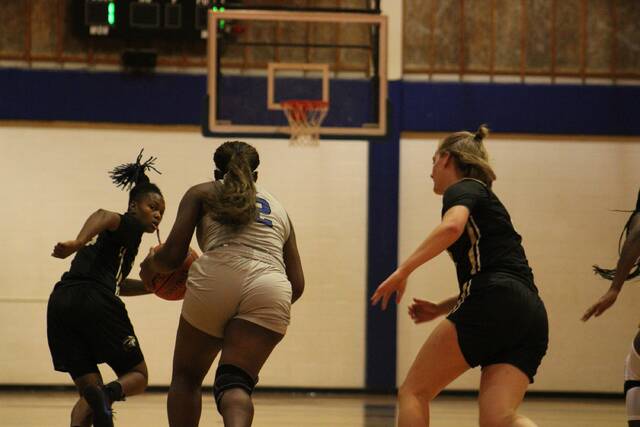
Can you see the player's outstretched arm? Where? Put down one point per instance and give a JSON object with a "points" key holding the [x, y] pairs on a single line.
{"points": [[443, 236], [628, 257], [97, 222]]}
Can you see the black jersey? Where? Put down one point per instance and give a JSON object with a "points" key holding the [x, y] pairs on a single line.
{"points": [[108, 258], [489, 242]]}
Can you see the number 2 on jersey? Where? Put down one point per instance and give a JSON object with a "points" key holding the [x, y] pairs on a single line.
{"points": [[263, 209]]}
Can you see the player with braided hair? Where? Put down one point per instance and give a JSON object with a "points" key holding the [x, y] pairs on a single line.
{"points": [[87, 322], [497, 321], [628, 261]]}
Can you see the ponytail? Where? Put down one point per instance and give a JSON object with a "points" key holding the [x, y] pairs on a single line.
{"points": [[481, 134], [470, 154], [130, 175], [234, 201], [609, 274]]}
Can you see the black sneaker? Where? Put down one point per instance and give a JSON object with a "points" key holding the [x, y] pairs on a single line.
{"points": [[99, 402]]}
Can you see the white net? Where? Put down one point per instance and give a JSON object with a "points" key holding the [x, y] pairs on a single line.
{"points": [[305, 118]]}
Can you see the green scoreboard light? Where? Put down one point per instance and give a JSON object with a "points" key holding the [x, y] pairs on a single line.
{"points": [[100, 16], [220, 9], [111, 13], [146, 19]]}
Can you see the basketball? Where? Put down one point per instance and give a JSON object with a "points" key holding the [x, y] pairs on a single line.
{"points": [[172, 286]]}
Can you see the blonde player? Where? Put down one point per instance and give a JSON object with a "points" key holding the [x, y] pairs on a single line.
{"points": [[498, 321]]}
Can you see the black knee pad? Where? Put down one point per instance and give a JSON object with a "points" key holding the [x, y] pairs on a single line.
{"points": [[632, 401], [629, 384], [228, 377]]}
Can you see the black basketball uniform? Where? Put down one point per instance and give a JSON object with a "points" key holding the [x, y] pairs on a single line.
{"points": [[87, 323], [499, 316]]}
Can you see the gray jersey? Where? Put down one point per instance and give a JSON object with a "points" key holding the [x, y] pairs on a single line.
{"points": [[262, 239]]}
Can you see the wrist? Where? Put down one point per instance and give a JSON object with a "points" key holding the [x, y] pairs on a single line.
{"points": [[403, 272], [444, 306]]}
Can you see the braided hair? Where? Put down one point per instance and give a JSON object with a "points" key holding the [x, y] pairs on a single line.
{"points": [[234, 203], [470, 154], [132, 177], [608, 273]]}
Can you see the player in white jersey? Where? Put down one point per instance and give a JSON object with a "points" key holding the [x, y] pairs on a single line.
{"points": [[239, 291]]}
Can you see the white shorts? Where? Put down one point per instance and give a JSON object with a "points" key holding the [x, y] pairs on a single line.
{"points": [[224, 286], [632, 391], [632, 365]]}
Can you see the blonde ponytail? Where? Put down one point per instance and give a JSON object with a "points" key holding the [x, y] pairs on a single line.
{"points": [[470, 154]]}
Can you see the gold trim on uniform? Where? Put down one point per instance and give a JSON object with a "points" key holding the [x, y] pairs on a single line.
{"points": [[474, 251], [123, 251], [464, 293]]}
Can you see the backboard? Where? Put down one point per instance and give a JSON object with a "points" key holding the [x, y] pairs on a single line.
{"points": [[260, 58]]}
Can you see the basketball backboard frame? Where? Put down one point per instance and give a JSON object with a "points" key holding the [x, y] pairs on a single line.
{"points": [[216, 126], [371, 6]]}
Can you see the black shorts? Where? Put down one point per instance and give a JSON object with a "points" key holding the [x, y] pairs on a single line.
{"points": [[501, 320], [87, 325]]}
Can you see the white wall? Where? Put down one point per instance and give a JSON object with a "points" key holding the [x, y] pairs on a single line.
{"points": [[559, 194], [53, 178], [393, 9]]}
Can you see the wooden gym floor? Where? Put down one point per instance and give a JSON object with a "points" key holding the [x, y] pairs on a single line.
{"points": [[44, 409]]}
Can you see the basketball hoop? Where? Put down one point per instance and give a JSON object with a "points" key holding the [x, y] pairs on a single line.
{"points": [[305, 117]]}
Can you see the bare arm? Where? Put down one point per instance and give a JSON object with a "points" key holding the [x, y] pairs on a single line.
{"points": [[97, 222], [171, 255], [293, 266], [448, 304], [445, 234], [628, 257], [132, 288], [423, 311]]}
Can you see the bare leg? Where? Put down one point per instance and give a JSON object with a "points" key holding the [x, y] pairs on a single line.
{"points": [[247, 346], [502, 388], [236, 407], [89, 387], [81, 414], [439, 362], [134, 381], [194, 353]]}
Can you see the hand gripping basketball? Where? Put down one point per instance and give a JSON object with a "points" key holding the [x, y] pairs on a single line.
{"points": [[172, 286]]}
